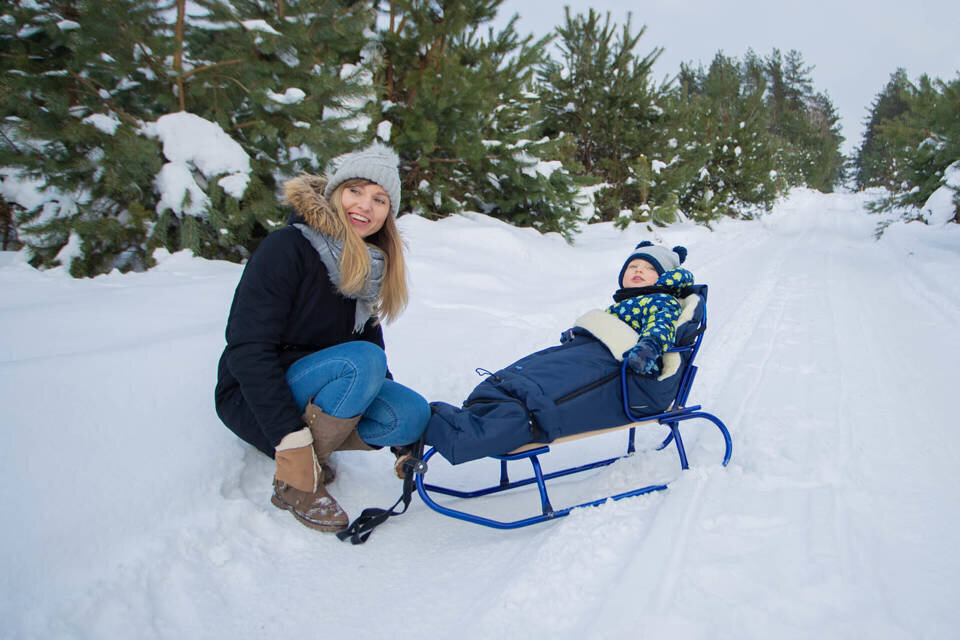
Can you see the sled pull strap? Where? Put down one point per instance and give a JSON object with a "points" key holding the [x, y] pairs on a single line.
{"points": [[360, 529]]}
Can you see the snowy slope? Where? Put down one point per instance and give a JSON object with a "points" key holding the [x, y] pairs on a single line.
{"points": [[130, 511]]}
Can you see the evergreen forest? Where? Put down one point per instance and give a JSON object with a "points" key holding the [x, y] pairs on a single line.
{"points": [[549, 133]]}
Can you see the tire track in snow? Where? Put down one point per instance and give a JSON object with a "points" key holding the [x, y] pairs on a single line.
{"points": [[566, 573], [870, 412], [668, 577], [734, 327], [934, 300], [645, 584], [838, 509], [732, 324]]}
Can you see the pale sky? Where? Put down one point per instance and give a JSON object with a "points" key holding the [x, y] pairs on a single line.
{"points": [[853, 46]]}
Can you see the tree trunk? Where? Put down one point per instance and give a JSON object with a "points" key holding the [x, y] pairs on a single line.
{"points": [[178, 56]]}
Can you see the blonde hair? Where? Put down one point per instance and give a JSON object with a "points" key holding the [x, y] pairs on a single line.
{"points": [[355, 262]]}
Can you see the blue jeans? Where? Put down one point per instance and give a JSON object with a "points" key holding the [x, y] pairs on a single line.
{"points": [[349, 379]]}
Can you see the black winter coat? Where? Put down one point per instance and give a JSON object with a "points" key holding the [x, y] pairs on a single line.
{"points": [[284, 308]]}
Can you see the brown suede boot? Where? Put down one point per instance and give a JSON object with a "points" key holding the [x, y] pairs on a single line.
{"points": [[402, 454], [328, 433], [298, 485], [355, 443]]}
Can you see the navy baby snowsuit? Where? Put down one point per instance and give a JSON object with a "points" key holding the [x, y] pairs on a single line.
{"points": [[562, 390]]}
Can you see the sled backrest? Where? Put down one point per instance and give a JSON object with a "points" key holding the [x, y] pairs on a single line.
{"points": [[689, 337], [687, 326], [690, 328]]}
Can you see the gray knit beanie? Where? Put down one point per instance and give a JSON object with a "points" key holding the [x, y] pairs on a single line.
{"points": [[661, 258], [377, 163]]}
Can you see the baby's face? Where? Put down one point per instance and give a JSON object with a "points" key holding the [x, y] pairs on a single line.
{"points": [[639, 273]]}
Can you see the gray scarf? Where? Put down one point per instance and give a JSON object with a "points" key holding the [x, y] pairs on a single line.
{"points": [[330, 250]]}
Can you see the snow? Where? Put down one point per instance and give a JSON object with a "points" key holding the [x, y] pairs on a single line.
{"points": [[292, 95], [235, 184], [384, 129], [830, 355], [259, 25], [106, 123], [33, 193], [28, 31], [939, 207], [179, 192], [189, 140], [534, 167], [27, 191], [72, 249]]}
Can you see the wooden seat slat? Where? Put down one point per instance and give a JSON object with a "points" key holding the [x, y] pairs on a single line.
{"points": [[578, 436]]}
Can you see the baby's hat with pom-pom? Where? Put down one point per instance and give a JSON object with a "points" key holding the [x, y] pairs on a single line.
{"points": [[662, 258]]}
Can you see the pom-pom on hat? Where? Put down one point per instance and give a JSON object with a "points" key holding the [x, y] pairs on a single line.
{"points": [[377, 163], [661, 258]]}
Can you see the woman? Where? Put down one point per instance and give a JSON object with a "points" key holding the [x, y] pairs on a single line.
{"points": [[304, 372]]}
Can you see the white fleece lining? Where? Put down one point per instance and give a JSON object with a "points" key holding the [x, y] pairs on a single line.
{"points": [[614, 333], [671, 361], [619, 337], [300, 439], [689, 306], [295, 440]]}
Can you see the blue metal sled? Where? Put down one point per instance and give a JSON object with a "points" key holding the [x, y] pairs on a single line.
{"points": [[671, 418]]}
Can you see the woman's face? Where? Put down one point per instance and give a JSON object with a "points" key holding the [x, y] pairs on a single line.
{"points": [[367, 207]]}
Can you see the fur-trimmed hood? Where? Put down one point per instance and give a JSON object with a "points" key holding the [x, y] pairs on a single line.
{"points": [[305, 194]]}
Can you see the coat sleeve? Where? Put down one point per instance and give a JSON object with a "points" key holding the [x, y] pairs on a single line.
{"points": [[255, 330], [661, 311], [659, 315]]}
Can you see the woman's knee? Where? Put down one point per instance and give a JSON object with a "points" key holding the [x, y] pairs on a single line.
{"points": [[342, 379], [398, 416], [366, 365], [368, 357]]}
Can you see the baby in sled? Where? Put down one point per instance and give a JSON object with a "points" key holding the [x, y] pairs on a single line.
{"points": [[576, 386]]}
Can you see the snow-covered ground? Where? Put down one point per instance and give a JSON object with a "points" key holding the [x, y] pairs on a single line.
{"points": [[130, 511]]}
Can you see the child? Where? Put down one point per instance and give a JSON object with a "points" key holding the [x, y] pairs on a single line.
{"points": [[576, 386], [646, 302]]}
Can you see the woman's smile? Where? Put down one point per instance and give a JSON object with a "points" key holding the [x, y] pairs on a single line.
{"points": [[367, 207]]}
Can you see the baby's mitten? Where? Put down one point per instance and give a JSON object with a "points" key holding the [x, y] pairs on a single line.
{"points": [[644, 358]]}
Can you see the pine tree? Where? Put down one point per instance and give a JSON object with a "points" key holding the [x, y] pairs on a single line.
{"points": [[456, 106], [805, 122], [8, 230], [924, 141], [282, 79], [824, 167], [726, 159], [600, 96], [88, 82], [873, 162], [70, 113]]}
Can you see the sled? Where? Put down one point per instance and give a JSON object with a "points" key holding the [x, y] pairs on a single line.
{"points": [[671, 418]]}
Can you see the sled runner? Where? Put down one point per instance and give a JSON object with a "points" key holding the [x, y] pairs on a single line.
{"points": [[682, 355]]}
